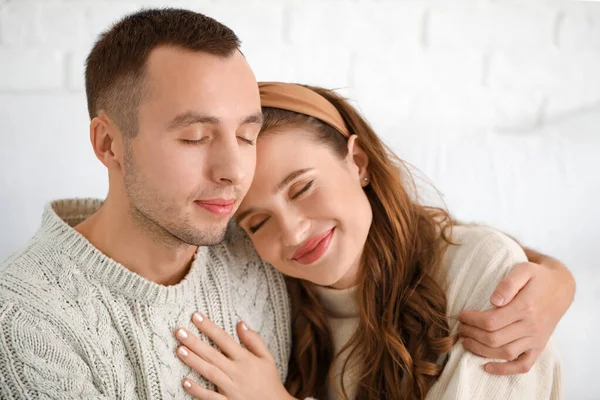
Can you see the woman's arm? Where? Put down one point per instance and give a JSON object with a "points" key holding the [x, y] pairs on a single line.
{"points": [[475, 267]]}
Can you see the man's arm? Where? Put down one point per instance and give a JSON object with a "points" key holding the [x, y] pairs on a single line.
{"points": [[37, 362], [556, 266], [538, 293]]}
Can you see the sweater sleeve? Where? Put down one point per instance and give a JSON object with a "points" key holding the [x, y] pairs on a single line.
{"points": [[481, 259], [37, 362]]}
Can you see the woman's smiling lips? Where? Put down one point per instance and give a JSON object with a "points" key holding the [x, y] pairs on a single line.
{"points": [[314, 248]]}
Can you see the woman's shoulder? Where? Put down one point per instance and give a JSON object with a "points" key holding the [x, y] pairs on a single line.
{"points": [[478, 258], [479, 241]]}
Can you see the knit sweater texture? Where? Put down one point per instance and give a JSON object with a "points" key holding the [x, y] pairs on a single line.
{"points": [[76, 324], [471, 270]]}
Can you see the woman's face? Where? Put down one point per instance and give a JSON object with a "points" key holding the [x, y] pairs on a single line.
{"points": [[306, 211]]}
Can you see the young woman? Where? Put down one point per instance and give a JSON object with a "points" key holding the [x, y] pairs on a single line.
{"points": [[376, 279]]}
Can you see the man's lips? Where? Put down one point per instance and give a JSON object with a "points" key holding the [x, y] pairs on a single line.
{"points": [[217, 206], [313, 248]]}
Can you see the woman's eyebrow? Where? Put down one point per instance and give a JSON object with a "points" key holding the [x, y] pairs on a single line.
{"points": [[286, 181]]}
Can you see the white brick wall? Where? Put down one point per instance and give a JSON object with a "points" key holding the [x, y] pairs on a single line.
{"points": [[491, 25], [496, 101], [45, 70], [428, 51]]}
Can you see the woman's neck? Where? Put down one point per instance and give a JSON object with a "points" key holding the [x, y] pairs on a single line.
{"points": [[350, 278], [339, 303]]}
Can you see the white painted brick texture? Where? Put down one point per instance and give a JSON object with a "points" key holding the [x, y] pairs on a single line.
{"points": [[496, 101], [460, 64]]}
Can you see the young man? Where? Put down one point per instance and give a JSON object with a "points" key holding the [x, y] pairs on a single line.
{"points": [[90, 311]]}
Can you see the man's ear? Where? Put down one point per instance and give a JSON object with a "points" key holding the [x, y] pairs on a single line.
{"points": [[107, 140], [358, 159]]}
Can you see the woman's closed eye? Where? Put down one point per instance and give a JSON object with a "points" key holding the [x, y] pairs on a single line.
{"points": [[303, 190], [254, 228]]}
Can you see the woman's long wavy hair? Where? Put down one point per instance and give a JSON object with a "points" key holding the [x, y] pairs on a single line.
{"points": [[403, 335]]}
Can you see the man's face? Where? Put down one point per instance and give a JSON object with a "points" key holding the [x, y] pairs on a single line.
{"points": [[194, 156]]}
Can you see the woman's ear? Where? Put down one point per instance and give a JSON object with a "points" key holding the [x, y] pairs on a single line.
{"points": [[358, 159]]}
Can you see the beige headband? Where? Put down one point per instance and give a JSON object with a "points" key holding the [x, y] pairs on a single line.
{"points": [[302, 100]]}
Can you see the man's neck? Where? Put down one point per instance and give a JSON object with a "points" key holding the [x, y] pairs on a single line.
{"points": [[114, 232]]}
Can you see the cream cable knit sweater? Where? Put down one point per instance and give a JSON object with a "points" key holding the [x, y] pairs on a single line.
{"points": [[470, 272], [76, 324]]}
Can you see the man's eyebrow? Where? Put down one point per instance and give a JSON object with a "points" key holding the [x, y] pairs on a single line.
{"points": [[189, 118], [256, 118], [286, 181]]}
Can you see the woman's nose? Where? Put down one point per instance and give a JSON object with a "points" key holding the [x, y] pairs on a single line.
{"points": [[294, 230]]}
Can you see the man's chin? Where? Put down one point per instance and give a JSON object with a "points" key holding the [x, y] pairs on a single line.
{"points": [[208, 237], [211, 241]]}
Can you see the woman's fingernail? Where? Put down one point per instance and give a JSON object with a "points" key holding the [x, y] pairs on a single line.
{"points": [[497, 300], [187, 384], [198, 318], [183, 351], [244, 326], [182, 334]]}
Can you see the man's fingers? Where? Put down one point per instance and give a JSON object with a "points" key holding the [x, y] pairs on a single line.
{"points": [[495, 339], [492, 320], [507, 352], [203, 367], [512, 283], [253, 341], [222, 339], [199, 392], [521, 365]]}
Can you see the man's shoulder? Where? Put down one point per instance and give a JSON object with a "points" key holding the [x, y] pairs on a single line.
{"points": [[28, 288], [33, 272]]}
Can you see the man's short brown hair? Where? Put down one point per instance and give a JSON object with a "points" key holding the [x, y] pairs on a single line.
{"points": [[115, 67]]}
